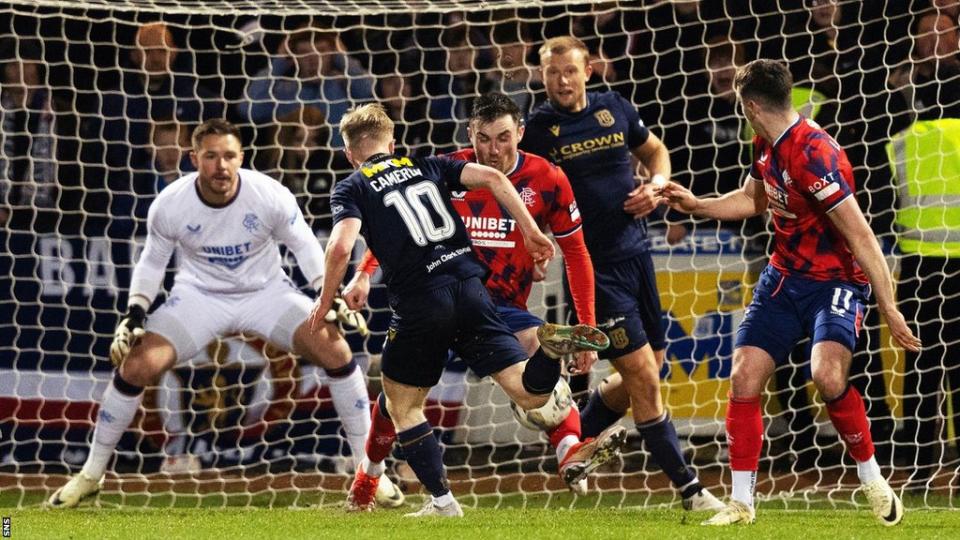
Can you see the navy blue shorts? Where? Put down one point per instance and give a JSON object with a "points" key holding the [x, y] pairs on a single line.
{"points": [[628, 305], [785, 309], [518, 319], [425, 326]]}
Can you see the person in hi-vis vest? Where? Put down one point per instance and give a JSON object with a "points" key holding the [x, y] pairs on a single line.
{"points": [[925, 159]]}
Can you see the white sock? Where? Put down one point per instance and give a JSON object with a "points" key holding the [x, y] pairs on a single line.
{"points": [[353, 407], [443, 500], [743, 484], [371, 468], [116, 412], [564, 446], [869, 470]]}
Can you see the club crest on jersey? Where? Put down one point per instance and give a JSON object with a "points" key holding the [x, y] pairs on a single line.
{"points": [[251, 222], [555, 129], [528, 196], [605, 118]]}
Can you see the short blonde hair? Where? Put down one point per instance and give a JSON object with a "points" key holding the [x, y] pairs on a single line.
{"points": [[367, 123], [560, 45], [155, 35]]}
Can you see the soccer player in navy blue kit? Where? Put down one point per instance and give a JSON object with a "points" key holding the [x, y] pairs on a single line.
{"points": [[435, 284], [592, 137], [816, 284]]}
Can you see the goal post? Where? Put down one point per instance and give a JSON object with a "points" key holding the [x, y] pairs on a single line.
{"points": [[98, 100]]}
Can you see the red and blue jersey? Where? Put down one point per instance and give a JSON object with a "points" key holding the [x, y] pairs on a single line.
{"points": [[497, 241], [806, 175]]}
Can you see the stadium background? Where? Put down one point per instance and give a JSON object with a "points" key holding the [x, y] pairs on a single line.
{"points": [[72, 223]]}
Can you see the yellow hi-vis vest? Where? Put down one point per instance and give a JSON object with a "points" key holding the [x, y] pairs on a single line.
{"points": [[925, 159]]}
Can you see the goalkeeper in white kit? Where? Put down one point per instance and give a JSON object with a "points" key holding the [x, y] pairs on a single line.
{"points": [[226, 223]]}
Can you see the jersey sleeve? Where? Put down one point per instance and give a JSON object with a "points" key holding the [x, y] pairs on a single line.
{"points": [[446, 170], [292, 230], [564, 217], [637, 132], [150, 268], [534, 141], [345, 201], [819, 175]]}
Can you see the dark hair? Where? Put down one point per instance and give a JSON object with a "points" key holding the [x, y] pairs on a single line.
{"points": [[493, 105], [214, 126], [765, 80]]}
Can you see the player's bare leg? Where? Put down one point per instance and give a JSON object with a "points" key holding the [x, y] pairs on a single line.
{"points": [[421, 449], [830, 367], [148, 359], [752, 368], [348, 388]]}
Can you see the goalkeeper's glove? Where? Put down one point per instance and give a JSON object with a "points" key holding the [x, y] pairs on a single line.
{"points": [[127, 333], [347, 318]]}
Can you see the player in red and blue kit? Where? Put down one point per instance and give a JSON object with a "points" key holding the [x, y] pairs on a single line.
{"points": [[495, 132], [816, 284], [594, 137], [402, 207]]}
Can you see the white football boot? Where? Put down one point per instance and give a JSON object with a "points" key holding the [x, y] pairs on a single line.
{"points": [[734, 513], [389, 494], [884, 502], [701, 501], [74, 491], [429, 509], [584, 457]]}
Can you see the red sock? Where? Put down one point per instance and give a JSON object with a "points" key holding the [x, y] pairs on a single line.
{"points": [[850, 419], [382, 436], [744, 433], [569, 426]]}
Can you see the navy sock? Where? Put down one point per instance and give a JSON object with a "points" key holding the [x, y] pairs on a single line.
{"points": [[424, 456], [541, 373], [597, 416], [661, 440]]}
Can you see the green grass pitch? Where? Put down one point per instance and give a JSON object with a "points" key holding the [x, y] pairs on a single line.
{"points": [[585, 518]]}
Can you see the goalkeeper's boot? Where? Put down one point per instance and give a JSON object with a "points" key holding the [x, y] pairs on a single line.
{"points": [[584, 457], [734, 513], [429, 509], [74, 491], [884, 502], [702, 501], [363, 492], [388, 493], [558, 339]]}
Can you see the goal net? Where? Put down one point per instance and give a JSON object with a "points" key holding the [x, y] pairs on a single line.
{"points": [[98, 98]]}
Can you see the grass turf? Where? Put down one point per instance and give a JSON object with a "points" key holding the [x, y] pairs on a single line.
{"points": [[587, 517]]}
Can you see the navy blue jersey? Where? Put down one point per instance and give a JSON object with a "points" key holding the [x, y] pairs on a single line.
{"points": [[593, 148], [408, 220]]}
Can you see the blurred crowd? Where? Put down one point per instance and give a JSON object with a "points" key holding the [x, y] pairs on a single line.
{"points": [[96, 106]]}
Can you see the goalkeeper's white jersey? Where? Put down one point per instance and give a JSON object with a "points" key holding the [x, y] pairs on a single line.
{"points": [[228, 249]]}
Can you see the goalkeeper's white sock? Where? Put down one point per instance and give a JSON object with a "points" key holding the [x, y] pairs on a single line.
{"points": [[349, 392], [869, 470], [116, 412], [371, 468], [743, 485]]}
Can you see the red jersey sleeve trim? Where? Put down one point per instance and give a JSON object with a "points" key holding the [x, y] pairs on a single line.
{"points": [[836, 204], [579, 275], [565, 234], [368, 263]]}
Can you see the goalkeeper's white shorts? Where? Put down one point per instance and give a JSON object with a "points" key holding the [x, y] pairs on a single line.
{"points": [[192, 318]]}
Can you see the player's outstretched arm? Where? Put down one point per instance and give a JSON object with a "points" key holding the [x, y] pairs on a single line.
{"points": [[849, 220], [475, 176], [339, 247], [144, 285], [748, 201]]}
